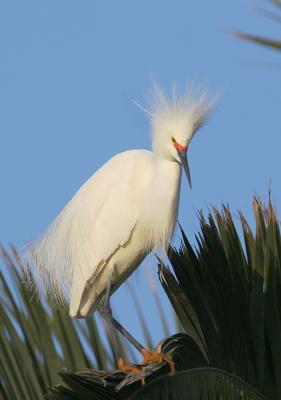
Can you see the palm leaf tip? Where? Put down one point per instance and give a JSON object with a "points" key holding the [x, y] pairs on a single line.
{"points": [[267, 42], [272, 43]]}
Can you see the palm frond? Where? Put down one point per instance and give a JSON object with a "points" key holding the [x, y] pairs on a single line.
{"points": [[37, 341], [227, 294], [267, 42], [272, 43], [195, 383]]}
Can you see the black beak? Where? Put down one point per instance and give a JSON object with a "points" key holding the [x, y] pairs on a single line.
{"points": [[183, 157]]}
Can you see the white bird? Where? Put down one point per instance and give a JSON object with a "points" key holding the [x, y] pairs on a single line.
{"points": [[124, 210]]}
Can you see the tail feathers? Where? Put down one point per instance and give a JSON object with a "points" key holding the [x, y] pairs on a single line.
{"points": [[47, 260]]}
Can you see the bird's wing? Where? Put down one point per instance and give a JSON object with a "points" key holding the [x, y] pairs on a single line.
{"points": [[93, 225], [112, 211]]}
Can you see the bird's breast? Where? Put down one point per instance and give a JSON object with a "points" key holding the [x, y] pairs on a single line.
{"points": [[160, 203]]}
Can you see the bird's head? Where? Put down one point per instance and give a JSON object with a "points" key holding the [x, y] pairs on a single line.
{"points": [[175, 121]]}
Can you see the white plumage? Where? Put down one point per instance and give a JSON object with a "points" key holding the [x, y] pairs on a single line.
{"points": [[129, 206]]}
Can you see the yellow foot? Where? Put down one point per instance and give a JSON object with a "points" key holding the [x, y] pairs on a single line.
{"points": [[136, 368], [150, 356]]}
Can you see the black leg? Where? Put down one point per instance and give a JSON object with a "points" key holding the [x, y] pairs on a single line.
{"points": [[133, 372], [110, 332], [106, 313], [127, 335]]}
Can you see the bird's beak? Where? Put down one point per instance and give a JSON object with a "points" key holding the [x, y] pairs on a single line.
{"points": [[183, 157]]}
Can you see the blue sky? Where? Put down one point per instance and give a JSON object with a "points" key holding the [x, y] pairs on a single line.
{"points": [[68, 72]]}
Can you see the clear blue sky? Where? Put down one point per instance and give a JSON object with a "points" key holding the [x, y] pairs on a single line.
{"points": [[68, 72]]}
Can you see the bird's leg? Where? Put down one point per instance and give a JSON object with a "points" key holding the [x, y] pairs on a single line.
{"points": [[106, 313], [127, 335], [148, 356]]}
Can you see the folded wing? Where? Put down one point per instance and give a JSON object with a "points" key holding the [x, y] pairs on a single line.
{"points": [[97, 220]]}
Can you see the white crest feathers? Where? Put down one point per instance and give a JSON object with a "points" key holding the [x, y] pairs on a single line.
{"points": [[183, 114]]}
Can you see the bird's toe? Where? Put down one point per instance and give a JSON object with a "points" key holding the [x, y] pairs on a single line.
{"points": [[158, 357], [135, 369]]}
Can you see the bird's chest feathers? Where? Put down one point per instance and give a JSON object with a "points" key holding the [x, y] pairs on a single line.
{"points": [[160, 203]]}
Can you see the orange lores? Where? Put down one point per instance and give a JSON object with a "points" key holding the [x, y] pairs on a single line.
{"points": [[179, 146]]}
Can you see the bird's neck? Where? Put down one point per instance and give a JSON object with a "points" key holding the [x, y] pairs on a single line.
{"points": [[168, 172], [161, 152], [162, 201]]}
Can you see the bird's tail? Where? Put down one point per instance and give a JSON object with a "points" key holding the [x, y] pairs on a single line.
{"points": [[46, 259]]}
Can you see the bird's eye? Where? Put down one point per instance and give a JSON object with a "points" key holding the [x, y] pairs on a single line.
{"points": [[173, 139]]}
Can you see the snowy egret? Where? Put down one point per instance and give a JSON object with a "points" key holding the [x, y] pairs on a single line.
{"points": [[128, 207]]}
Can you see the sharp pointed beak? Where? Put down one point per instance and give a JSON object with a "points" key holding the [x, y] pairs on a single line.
{"points": [[183, 158]]}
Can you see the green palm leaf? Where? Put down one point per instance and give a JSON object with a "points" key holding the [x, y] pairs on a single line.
{"points": [[275, 44], [194, 383], [37, 341], [232, 295], [272, 43]]}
